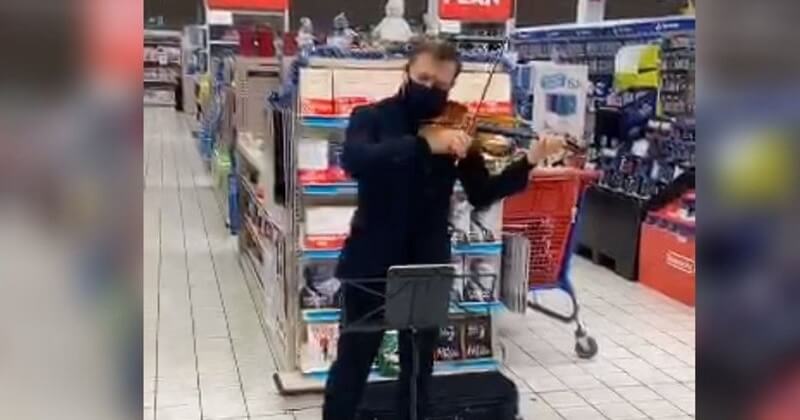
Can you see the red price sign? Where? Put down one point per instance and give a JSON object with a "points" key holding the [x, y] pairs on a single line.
{"points": [[476, 10], [250, 5]]}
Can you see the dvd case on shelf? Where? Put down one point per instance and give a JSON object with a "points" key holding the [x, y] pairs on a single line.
{"points": [[478, 338], [483, 272], [320, 346], [450, 344], [321, 289]]}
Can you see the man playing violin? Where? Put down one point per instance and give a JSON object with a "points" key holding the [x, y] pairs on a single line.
{"points": [[406, 172]]}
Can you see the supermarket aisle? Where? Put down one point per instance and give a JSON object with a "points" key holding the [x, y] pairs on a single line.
{"points": [[205, 353], [207, 358]]}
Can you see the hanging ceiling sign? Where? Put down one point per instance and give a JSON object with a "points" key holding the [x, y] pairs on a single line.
{"points": [[250, 5], [220, 17], [476, 10]]}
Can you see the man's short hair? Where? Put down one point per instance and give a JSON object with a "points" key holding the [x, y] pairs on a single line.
{"points": [[438, 49]]}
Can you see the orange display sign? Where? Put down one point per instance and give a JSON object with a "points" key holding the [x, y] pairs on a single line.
{"points": [[250, 5], [667, 263], [476, 10]]}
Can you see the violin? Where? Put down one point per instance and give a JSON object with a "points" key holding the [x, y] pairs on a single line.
{"points": [[495, 137]]}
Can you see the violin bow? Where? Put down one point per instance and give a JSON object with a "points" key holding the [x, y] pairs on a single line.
{"points": [[473, 121]]}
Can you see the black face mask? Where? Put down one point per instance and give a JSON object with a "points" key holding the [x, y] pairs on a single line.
{"points": [[423, 102]]}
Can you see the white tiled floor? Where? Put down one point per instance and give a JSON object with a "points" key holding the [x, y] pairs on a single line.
{"points": [[207, 358]]}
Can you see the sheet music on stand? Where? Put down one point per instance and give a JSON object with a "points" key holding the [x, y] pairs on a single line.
{"points": [[516, 264]]}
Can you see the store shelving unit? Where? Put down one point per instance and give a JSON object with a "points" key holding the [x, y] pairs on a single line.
{"points": [[614, 208], [279, 252], [677, 91], [195, 63], [594, 44], [162, 66]]}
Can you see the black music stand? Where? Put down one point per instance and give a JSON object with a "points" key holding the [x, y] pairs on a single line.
{"points": [[416, 297]]}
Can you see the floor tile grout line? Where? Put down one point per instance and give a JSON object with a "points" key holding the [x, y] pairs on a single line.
{"points": [[188, 283], [158, 280], [191, 155]]}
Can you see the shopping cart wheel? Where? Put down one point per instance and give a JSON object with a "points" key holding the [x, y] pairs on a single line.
{"points": [[587, 350], [585, 346]]}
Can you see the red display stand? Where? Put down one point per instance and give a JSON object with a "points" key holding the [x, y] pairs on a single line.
{"points": [[667, 253]]}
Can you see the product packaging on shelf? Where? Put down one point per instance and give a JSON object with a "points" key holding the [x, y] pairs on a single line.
{"points": [[316, 92], [486, 225], [321, 289], [460, 210], [388, 359], [471, 225], [327, 227], [320, 347], [484, 274], [450, 346], [559, 95], [319, 162], [357, 87], [470, 86], [457, 293], [478, 338], [312, 155]]}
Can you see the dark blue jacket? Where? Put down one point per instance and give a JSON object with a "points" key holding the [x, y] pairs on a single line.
{"points": [[404, 192]]}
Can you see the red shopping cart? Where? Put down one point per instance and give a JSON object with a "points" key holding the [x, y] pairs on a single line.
{"points": [[546, 214]]}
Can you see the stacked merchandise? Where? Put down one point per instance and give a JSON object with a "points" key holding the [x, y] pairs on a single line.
{"points": [[668, 249], [216, 106], [651, 163], [162, 67], [465, 343], [639, 120], [593, 45], [644, 165], [327, 91], [196, 63], [677, 73]]}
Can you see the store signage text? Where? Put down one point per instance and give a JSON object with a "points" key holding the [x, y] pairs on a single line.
{"points": [[476, 10], [559, 81], [680, 262]]}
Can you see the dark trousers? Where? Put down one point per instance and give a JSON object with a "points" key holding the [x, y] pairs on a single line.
{"points": [[356, 353]]}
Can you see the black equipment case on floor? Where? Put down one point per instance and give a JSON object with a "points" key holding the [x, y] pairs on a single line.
{"points": [[471, 396]]}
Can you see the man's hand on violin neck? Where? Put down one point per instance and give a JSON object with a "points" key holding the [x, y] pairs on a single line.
{"points": [[446, 141], [547, 146]]}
